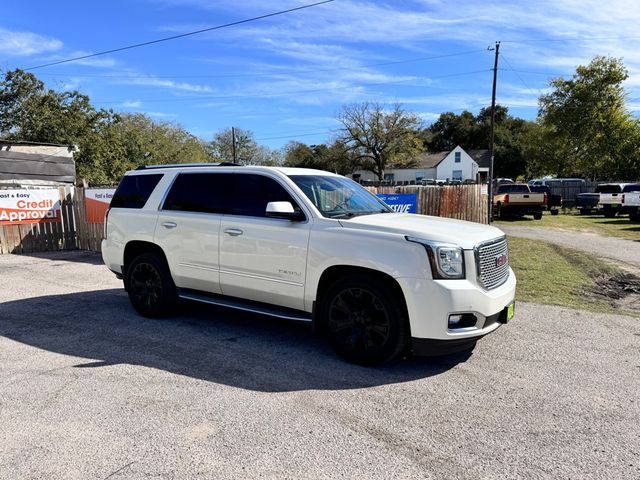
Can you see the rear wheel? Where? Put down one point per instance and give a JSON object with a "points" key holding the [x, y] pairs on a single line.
{"points": [[150, 286], [609, 213], [366, 323], [537, 216], [584, 211]]}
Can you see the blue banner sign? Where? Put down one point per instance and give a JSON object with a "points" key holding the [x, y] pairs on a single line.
{"points": [[400, 202]]}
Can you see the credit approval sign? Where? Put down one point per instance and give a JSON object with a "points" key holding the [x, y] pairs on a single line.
{"points": [[29, 206], [96, 201]]}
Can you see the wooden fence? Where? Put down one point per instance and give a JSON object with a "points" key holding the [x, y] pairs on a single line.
{"points": [[464, 202]]}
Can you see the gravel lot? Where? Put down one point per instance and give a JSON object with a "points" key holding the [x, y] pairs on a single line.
{"points": [[620, 250], [89, 390]]}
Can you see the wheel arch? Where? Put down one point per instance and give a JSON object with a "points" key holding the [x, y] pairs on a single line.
{"points": [[331, 274], [134, 248]]}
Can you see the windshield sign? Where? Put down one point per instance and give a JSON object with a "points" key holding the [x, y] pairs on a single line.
{"points": [[339, 197]]}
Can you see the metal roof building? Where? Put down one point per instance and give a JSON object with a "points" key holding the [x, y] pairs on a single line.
{"points": [[34, 165]]}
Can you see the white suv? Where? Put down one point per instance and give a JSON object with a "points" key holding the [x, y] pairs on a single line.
{"points": [[308, 245]]}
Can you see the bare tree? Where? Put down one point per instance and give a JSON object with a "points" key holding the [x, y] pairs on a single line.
{"points": [[380, 138]]}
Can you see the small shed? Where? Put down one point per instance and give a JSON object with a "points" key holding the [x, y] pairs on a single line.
{"points": [[36, 165]]}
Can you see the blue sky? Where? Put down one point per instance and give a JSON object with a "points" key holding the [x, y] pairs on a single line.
{"points": [[286, 78]]}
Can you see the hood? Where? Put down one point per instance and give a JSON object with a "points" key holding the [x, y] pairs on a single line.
{"points": [[438, 229]]}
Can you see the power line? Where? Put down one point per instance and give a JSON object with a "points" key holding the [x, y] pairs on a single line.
{"points": [[517, 74], [239, 75], [182, 35], [278, 94], [569, 39]]}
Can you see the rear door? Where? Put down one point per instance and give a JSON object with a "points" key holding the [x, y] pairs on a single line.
{"points": [[262, 259], [188, 228]]}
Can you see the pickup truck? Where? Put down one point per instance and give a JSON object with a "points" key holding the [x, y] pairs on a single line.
{"points": [[631, 205], [610, 201], [554, 202], [518, 200], [587, 203]]}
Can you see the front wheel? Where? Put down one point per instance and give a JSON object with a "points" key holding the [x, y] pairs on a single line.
{"points": [[367, 324], [150, 286], [555, 212]]}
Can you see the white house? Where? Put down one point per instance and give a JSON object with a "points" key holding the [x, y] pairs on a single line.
{"points": [[456, 164]]}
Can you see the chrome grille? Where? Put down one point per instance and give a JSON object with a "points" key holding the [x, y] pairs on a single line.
{"points": [[491, 273]]}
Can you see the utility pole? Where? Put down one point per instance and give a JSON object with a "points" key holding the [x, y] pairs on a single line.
{"points": [[233, 144], [493, 121]]}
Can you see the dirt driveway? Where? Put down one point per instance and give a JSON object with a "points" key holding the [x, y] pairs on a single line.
{"points": [[89, 390], [625, 252]]}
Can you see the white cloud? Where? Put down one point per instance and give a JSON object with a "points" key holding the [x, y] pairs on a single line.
{"points": [[22, 44], [151, 81], [132, 104]]}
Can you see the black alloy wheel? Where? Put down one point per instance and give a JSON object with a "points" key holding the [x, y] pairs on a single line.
{"points": [[366, 322], [150, 286]]}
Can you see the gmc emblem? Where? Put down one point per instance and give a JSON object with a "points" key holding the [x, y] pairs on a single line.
{"points": [[501, 260]]}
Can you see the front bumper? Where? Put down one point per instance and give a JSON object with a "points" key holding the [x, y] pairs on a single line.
{"points": [[431, 302]]}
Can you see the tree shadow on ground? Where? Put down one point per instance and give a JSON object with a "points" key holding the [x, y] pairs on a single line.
{"points": [[209, 343]]}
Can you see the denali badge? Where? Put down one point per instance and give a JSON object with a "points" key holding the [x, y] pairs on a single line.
{"points": [[501, 260]]}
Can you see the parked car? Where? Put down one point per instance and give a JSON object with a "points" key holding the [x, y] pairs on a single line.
{"points": [[587, 203], [631, 205], [312, 246], [554, 202], [516, 199], [610, 202]]}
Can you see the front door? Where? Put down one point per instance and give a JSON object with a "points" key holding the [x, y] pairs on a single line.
{"points": [[262, 259]]}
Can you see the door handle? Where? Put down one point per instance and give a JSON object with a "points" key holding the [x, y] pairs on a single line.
{"points": [[169, 224], [234, 232]]}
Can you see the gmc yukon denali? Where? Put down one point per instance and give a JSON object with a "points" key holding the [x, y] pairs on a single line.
{"points": [[312, 246]]}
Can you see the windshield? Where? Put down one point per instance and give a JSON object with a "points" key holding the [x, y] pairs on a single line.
{"points": [[339, 197]]}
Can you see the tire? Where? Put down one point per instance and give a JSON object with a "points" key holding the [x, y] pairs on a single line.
{"points": [[609, 213], [498, 212], [554, 212], [366, 323], [537, 216], [150, 286], [634, 216], [584, 211]]}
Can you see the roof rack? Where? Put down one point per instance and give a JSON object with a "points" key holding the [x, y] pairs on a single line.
{"points": [[184, 165]]}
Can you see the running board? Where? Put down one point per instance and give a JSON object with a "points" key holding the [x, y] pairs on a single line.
{"points": [[245, 305]]}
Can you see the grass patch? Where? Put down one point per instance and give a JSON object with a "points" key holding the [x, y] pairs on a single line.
{"points": [[556, 275], [620, 227]]}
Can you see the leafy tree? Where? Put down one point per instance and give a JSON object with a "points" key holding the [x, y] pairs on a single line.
{"points": [[379, 138], [472, 132], [586, 119], [108, 143], [333, 158]]}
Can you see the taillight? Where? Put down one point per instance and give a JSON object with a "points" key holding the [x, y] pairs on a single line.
{"points": [[506, 199], [106, 217], [623, 198], [545, 199]]}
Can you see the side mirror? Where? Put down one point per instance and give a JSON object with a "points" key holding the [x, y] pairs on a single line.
{"points": [[284, 210]]}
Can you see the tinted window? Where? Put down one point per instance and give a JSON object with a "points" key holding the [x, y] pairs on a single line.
{"points": [[513, 188], [253, 192], [134, 190], [608, 189], [199, 192], [635, 187]]}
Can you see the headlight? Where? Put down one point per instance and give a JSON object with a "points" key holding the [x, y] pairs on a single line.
{"points": [[447, 261]]}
